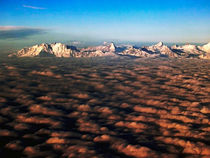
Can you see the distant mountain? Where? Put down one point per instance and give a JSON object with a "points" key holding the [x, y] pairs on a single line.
{"points": [[161, 49], [205, 48], [104, 48], [137, 52], [55, 49], [110, 49], [62, 50]]}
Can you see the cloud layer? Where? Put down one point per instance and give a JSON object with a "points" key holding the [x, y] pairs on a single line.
{"points": [[135, 108], [18, 32]]}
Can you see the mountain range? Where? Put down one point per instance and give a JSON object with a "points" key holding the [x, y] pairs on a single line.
{"points": [[110, 49]]}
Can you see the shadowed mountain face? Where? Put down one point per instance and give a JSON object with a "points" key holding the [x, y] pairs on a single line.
{"points": [[158, 50], [104, 107]]}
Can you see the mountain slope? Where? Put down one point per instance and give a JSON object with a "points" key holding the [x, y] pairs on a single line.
{"points": [[157, 50], [55, 49], [161, 49]]}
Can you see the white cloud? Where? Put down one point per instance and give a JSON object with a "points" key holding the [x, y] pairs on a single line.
{"points": [[33, 7]]}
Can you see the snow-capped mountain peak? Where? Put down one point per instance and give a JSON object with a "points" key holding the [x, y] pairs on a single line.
{"points": [[157, 50], [206, 47], [159, 44]]}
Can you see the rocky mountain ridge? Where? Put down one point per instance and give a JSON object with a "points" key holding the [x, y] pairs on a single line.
{"points": [[157, 50]]}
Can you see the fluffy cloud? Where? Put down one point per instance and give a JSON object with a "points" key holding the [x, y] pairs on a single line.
{"points": [[122, 108]]}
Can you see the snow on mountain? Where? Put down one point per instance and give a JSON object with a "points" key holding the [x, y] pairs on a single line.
{"points": [[109, 49], [205, 48], [160, 44], [104, 48], [62, 50], [192, 49], [55, 49], [112, 47], [189, 51], [131, 51], [161, 49]]}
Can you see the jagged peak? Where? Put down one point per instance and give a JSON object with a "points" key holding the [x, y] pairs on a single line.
{"points": [[159, 44], [208, 44], [63, 50], [112, 43], [108, 43], [112, 46], [206, 47]]}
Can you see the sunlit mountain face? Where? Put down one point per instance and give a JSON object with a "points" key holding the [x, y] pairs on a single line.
{"points": [[110, 49]]}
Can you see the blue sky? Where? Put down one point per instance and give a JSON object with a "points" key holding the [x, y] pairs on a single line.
{"points": [[129, 20]]}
